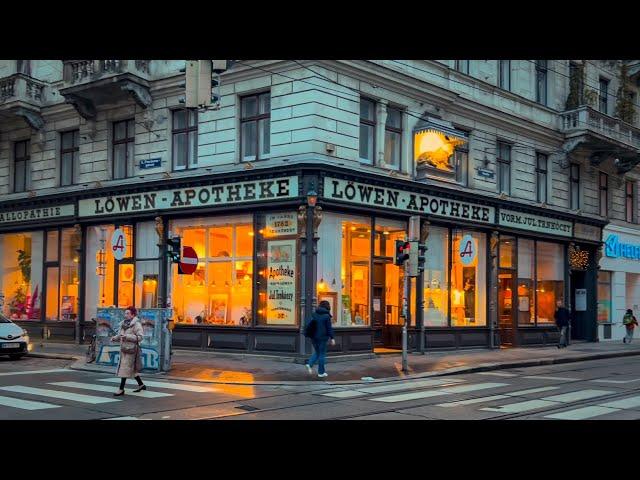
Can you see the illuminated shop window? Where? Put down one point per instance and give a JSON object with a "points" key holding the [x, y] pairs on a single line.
{"points": [[436, 278], [440, 152], [468, 279], [604, 296], [219, 292], [21, 259], [388, 279], [526, 282], [550, 279]]}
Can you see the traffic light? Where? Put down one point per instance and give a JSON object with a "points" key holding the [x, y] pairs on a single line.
{"points": [[402, 252], [416, 258], [175, 249]]}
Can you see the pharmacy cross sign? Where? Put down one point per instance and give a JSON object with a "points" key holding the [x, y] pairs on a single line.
{"points": [[188, 261]]}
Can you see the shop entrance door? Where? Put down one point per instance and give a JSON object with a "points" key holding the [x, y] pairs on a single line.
{"points": [[506, 312], [387, 295], [578, 305]]}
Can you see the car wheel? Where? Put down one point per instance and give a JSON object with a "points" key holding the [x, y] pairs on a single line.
{"points": [[16, 356]]}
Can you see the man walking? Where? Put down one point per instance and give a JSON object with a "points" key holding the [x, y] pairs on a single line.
{"points": [[320, 331], [562, 321]]}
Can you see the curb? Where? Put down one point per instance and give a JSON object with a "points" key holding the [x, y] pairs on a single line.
{"points": [[483, 367], [58, 356]]}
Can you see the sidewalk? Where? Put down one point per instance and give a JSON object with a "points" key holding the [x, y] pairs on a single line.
{"points": [[248, 369]]}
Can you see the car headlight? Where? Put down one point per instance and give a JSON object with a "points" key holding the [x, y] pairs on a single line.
{"points": [[25, 335]]}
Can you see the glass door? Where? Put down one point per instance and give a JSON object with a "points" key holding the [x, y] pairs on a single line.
{"points": [[506, 296]]}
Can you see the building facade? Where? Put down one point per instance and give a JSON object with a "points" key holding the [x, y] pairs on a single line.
{"points": [[293, 189]]}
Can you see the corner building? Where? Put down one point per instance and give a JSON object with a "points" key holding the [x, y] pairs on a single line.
{"points": [[294, 191]]}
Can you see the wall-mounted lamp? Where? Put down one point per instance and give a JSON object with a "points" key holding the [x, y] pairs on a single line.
{"points": [[312, 197]]}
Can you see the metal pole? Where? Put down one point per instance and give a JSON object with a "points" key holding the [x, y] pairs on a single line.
{"points": [[405, 316]]}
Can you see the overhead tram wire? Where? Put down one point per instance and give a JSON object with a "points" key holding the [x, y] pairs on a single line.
{"points": [[417, 115]]}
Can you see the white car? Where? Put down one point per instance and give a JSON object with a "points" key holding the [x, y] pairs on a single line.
{"points": [[14, 341]]}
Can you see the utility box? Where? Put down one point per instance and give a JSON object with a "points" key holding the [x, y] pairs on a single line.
{"points": [[156, 341]]}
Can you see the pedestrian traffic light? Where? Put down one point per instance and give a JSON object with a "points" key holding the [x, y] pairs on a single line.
{"points": [[416, 258], [174, 249], [422, 251], [402, 252]]}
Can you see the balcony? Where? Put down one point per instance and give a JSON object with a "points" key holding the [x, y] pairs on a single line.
{"points": [[22, 96], [90, 83], [602, 136]]}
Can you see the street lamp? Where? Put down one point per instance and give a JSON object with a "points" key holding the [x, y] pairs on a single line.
{"points": [[312, 197]]}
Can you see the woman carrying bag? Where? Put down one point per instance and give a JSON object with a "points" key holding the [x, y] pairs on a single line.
{"points": [[130, 364], [629, 322]]}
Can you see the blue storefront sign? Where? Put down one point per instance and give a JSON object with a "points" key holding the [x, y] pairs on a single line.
{"points": [[614, 248], [150, 163]]}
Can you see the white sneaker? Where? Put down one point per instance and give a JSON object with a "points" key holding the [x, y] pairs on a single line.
{"points": [[323, 375], [309, 369]]}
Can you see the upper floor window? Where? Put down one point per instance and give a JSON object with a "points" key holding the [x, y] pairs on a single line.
{"points": [[541, 177], [367, 129], [393, 138], [604, 95], [184, 139], [462, 66], [629, 201], [574, 186], [575, 78], [69, 152], [22, 165], [504, 168], [461, 162], [604, 194], [504, 74], [255, 126], [122, 148], [541, 81]]}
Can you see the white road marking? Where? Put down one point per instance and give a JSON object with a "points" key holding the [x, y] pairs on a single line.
{"points": [[499, 374], [434, 393], [43, 392], [582, 413], [520, 406], [25, 404], [473, 400], [170, 386], [631, 402], [344, 394], [542, 377], [578, 395], [30, 372], [409, 385], [615, 381], [107, 388], [531, 390], [122, 418]]}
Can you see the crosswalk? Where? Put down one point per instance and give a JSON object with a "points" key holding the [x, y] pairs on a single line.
{"points": [[514, 401], [74, 392]]}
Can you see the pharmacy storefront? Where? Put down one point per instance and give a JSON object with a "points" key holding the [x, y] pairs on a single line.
{"points": [[618, 280], [266, 246]]}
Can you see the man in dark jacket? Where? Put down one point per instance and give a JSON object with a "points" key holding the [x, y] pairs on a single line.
{"points": [[321, 333], [562, 321]]}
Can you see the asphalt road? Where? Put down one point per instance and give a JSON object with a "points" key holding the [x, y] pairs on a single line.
{"points": [[34, 388]]}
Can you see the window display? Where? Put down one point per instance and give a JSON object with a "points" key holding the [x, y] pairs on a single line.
{"points": [[526, 288], [220, 291], [436, 278], [604, 297], [468, 279], [550, 279], [388, 281], [21, 275]]}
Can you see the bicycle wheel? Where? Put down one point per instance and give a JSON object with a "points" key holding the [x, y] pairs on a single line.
{"points": [[91, 353]]}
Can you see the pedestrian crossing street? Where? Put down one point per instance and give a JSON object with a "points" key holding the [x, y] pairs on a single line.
{"points": [[85, 393], [516, 400]]}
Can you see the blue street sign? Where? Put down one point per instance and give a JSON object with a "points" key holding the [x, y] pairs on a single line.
{"points": [[150, 163]]}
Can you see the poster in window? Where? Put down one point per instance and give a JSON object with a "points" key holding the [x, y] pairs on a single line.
{"points": [[281, 224], [581, 299], [281, 282], [218, 308], [67, 306]]}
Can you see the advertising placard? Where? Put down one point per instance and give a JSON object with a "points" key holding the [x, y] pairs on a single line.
{"points": [[281, 282]]}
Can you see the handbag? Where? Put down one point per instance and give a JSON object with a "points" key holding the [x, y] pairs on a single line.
{"points": [[128, 347]]}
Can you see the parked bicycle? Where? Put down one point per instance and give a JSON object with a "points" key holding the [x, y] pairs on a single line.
{"points": [[90, 356]]}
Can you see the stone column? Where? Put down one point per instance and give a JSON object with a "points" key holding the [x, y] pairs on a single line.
{"points": [[381, 120]]}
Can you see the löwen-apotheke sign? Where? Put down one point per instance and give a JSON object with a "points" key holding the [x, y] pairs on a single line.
{"points": [[202, 196], [363, 194]]}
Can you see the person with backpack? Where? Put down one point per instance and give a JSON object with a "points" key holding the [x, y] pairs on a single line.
{"points": [[629, 322], [319, 330], [562, 322]]}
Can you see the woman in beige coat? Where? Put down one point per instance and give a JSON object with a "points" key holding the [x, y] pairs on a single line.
{"points": [[130, 364]]}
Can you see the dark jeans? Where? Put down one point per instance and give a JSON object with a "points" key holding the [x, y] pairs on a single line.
{"points": [[319, 354], [564, 336], [124, 380]]}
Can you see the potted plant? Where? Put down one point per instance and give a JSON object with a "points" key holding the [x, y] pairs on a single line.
{"points": [[24, 262]]}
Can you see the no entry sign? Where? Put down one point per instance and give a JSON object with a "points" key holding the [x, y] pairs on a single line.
{"points": [[188, 261]]}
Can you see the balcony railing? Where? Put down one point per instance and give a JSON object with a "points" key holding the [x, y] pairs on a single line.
{"points": [[587, 119], [21, 88], [82, 71]]}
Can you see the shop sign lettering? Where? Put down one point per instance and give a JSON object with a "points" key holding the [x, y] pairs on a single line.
{"points": [[281, 224], [281, 282], [614, 248], [205, 196], [535, 223], [468, 250], [33, 214], [363, 194]]}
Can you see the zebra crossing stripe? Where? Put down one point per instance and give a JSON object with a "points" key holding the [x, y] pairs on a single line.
{"points": [[107, 388], [498, 374], [542, 377], [582, 413], [631, 402], [31, 372], [603, 380], [410, 385], [472, 401], [520, 406], [434, 393], [170, 386], [43, 392], [25, 404], [577, 396]]}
